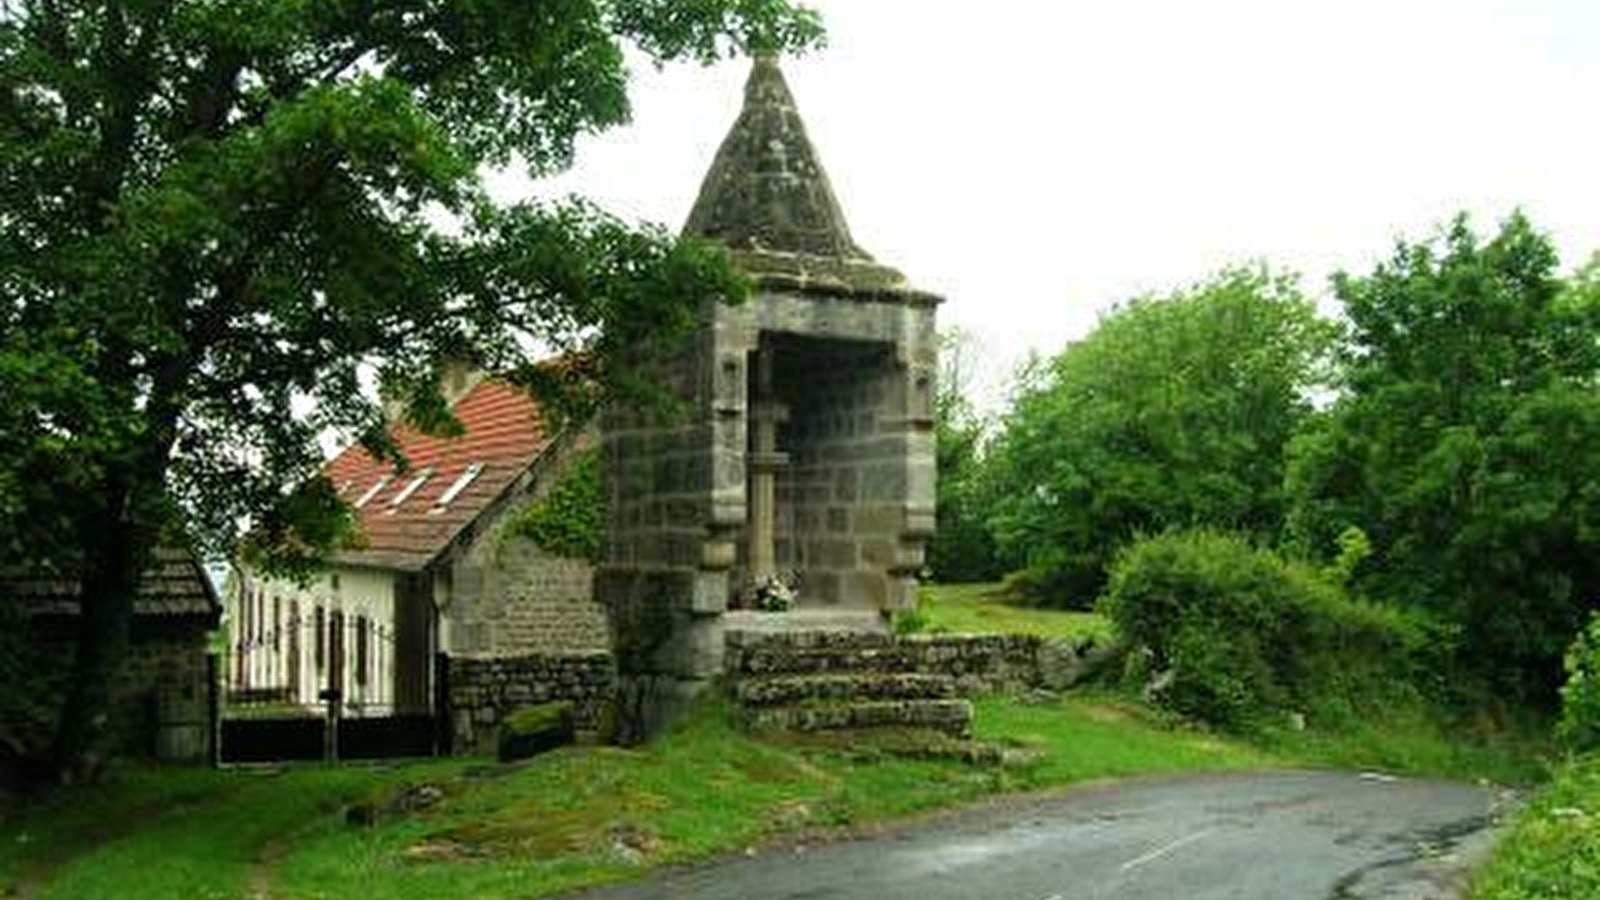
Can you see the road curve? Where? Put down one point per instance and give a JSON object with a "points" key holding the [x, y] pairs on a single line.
{"points": [[1277, 835]]}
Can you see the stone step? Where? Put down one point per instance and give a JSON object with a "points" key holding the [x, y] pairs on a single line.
{"points": [[744, 639], [788, 689], [841, 658], [953, 717], [829, 619]]}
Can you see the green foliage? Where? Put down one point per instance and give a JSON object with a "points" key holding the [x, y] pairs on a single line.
{"points": [[222, 218], [540, 717], [1173, 412], [1579, 727], [912, 621], [1241, 635], [570, 520], [1551, 851], [1466, 447], [1354, 548], [963, 548]]}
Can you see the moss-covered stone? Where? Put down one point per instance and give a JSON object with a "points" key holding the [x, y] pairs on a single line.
{"points": [[531, 730]]}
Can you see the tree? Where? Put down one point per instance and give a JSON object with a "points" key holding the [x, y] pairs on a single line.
{"points": [[1173, 412], [963, 548], [1466, 445], [221, 220]]}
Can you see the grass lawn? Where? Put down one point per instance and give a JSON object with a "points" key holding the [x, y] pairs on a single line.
{"points": [[575, 817], [977, 609]]}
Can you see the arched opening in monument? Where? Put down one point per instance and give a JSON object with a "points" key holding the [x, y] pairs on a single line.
{"points": [[827, 470]]}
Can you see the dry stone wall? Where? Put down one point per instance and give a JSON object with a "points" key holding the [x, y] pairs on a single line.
{"points": [[160, 699], [977, 664], [485, 691]]}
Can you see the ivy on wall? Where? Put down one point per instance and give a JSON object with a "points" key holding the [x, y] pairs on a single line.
{"points": [[570, 520]]}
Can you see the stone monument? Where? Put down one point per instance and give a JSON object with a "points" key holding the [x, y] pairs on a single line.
{"points": [[801, 449]]}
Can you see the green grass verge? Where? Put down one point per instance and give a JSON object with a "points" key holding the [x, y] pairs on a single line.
{"points": [[1553, 850], [1418, 742], [978, 609], [580, 816]]}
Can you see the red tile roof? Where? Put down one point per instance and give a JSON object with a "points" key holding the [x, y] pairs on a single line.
{"points": [[505, 433]]}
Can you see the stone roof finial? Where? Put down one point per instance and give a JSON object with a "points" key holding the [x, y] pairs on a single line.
{"points": [[766, 190]]}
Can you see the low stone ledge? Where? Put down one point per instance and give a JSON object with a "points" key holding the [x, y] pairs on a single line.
{"points": [[976, 663]]}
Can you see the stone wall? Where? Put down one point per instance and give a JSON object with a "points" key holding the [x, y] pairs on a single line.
{"points": [[842, 498], [508, 596], [485, 690], [988, 663], [976, 663], [160, 698]]}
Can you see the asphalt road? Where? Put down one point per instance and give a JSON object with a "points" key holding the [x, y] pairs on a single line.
{"points": [[1248, 836]]}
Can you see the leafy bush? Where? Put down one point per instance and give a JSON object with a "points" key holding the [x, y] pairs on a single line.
{"points": [[1056, 579], [1236, 633], [911, 621], [1579, 727], [1156, 419]]}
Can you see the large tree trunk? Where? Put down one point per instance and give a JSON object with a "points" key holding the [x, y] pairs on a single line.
{"points": [[116, 552]]}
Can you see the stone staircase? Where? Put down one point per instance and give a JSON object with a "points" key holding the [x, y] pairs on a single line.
{"points": [[820, 679]]}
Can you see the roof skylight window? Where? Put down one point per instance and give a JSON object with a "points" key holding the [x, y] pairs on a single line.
{"points": [[461, 483], [408, 490], [373, 491]]}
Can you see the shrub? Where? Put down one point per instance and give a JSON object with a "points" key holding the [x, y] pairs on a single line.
{"points": [[1236, 633], [1057, 579], [912, 621], [1579, 727]]}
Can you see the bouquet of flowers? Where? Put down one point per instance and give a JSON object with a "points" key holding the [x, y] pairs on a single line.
{"points": [[774, 594]]}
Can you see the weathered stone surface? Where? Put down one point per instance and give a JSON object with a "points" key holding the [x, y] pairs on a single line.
{"points": [[766, 190], [979, 663], [531, 730], [949, 716], [792, 412], [782, 689], [486, 691]]}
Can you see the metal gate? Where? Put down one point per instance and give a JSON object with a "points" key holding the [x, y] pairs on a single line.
{"points": [[261, 726]]}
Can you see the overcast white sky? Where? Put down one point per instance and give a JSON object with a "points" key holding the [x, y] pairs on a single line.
{"points": [[1037, 161]]}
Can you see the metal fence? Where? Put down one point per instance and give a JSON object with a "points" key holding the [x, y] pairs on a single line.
{"points": [[266, 724]]}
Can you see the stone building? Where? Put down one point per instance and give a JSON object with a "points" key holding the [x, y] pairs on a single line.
{"points": [[803, 447], [437, 569], [801, 450], [161, 697]]}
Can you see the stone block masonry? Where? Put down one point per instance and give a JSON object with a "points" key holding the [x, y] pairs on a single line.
{"points": [[800, 440], [507, 596], [485, 691], [160, 699], [824, 680], [975, 664]]}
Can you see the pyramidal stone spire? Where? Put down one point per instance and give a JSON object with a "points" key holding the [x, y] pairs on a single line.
{"points": [[766, 191]]}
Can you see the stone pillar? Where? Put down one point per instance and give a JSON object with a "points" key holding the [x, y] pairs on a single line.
{"points": [[765, 460]]}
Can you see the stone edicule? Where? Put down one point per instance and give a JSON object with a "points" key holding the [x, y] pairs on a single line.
{"points": [[802, 443]]}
